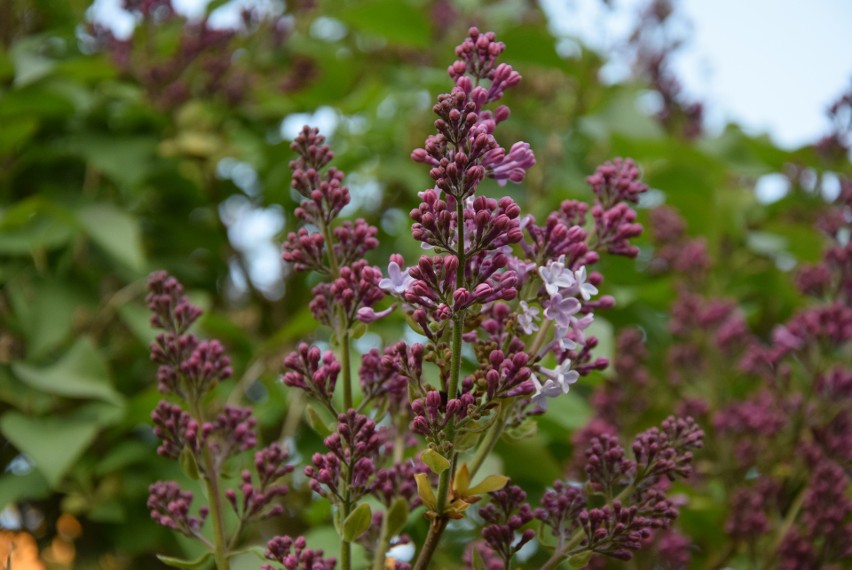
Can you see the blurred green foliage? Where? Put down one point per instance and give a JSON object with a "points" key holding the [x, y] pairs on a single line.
{"points": [[104, 179]]}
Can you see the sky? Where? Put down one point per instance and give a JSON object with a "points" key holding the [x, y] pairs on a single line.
{"points": [[771, 65]]}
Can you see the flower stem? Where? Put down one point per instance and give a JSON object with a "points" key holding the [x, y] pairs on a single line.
{"points": [[383, 545], [211, 482], [347, 373], [436, 529], [345, 545], [540, 338], [487, 443]]}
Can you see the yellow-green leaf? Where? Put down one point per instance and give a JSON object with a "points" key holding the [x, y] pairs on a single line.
{"points": [[424, 491], [435, 461], [357, 522], [489, 484]]}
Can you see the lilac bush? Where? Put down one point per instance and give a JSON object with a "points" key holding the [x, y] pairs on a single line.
{"points": [[502, 303]]}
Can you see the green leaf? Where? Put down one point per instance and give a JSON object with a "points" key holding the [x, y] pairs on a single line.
{"points": [[316, 422], [357, 522], [397, 516], [466, 440], [52, 443], [256, 550], [30, 65], [398, 21], [525, 430], [22, 396], [528, 44], [16, 131], [180, 563], [116, 232], [51, 317], [81, 373], [125, 159], [580, 560], [435, 461], [30, 486], [188, 464]]}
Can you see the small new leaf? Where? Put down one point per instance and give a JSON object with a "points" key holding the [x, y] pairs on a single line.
{"points": [[316, 422], [180, 563], [489, 484], [397, 516], [435, 461], [357, 522], [425, 492], [580, 560], [188, 464]]}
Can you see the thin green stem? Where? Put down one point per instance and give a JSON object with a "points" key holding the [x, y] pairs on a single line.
{"points": [[345, 545], [383, 545], [487, 443], [347, 372], [343, 334], [332, 259], [787, 524], [540, 338], [211, 482], [436, 529]]}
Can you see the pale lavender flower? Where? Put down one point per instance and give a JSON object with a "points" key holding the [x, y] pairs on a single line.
{"points": [[563, 375], [565, 339], [550, 388], [586, 289], [562, 309], [369, 315], [527, 318], [556, 277], [579, 325], [398, 280], [556, 382]]}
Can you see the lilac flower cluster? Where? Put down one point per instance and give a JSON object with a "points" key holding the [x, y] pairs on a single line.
{"points": [[506, 514], [522, 295], [169, 506], [635, 505], [352, 449], [294, 555], [204, 444]]}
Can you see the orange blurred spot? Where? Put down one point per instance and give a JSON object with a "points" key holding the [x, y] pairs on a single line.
{"points": [[60, 552], [69, 527], [20, 549]]}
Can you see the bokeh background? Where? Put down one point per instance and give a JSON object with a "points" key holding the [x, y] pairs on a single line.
{"points": [[152, 134]]}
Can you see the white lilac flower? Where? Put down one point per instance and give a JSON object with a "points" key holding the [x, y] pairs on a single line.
{"points": [[556, 277], [561, 310], [565, 341], [550, 388], [565, 376], [581, 324], [556, 382], [586, 289], [527, 318], [398, 280]]}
